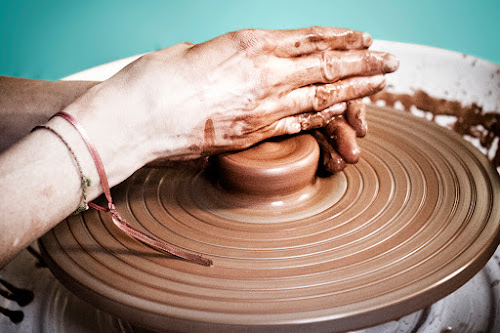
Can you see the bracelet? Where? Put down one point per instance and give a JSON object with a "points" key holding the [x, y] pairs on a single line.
{"points": [[85, 181], [115, 216]]}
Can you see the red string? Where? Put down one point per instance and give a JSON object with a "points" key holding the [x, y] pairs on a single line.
{"points": [[115, 216]]}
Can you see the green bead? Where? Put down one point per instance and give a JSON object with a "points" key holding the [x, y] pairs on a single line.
{"points": [[86, 182], [79, 210]]}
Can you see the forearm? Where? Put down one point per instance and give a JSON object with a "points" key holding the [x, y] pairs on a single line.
{"points": [[25, 103], [40, 186], [40, 183], [185, 101]]}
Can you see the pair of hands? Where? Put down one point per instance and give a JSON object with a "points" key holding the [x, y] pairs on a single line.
{"points": [[238, 89]]}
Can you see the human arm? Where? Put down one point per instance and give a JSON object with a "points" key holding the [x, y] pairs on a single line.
{"points": [[337, 139], [184, 102], [25, 103]]}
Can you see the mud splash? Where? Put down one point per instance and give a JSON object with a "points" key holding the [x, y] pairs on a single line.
{"points": [[470, 121]]}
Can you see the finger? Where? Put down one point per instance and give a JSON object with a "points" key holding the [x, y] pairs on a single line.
{"points": [[293, 125], [343, 138], [355, 116], [331, 66], [320, 97], [304, 121], [312, 120], [293, 43], [330, 159]]}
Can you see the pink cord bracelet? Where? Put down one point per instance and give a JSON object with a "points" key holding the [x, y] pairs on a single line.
{"points": [[115, 216]]}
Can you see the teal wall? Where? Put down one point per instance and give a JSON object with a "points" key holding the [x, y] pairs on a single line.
{"points": [[51, 39]]}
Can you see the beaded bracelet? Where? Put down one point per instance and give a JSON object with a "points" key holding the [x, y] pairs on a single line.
{"points": [[115, 216], [85, 181]]}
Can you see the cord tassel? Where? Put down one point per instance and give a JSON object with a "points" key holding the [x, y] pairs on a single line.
{"points": [[115, 216]]}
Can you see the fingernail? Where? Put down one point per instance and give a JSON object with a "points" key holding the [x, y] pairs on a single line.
{"points": [[391, 63], [367, 39]]}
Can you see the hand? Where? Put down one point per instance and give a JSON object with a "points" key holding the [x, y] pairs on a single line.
{"points": [[337, 140], [187, 101], [229, 93]]}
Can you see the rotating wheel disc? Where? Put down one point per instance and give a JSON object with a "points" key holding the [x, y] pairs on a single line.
{"points": [[410, 223]]}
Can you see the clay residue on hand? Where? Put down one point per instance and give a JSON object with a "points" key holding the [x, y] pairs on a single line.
{"points": [[331, 161], [209, 133], [470, 121], [324, 95]]}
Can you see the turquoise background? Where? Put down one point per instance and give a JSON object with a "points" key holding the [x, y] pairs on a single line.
{"points": [[52, 39]]}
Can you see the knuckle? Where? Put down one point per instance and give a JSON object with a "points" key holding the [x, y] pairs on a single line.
{"points": [[314, 120], [331, 66], [315, 33], [351, 37], [242, 34], [320, 98], [248, 39], [316, 36], [371, 61], [324, 97], [291, 125]]}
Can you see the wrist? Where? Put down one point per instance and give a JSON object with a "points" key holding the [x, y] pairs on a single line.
{"points": [[120, 147]]}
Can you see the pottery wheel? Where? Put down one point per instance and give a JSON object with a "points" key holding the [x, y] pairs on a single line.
{"points": [[411, 222]]}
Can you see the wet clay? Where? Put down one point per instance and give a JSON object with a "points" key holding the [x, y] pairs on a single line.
{"points": [[470, 121], [355, 116], [209, 133], [330, 94], [412, 221], [271, 168]]}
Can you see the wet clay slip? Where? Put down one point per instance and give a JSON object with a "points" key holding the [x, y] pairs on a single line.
{"points": [[470, 121], [415, 219]]}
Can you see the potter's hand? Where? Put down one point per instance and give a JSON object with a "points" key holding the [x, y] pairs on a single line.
{"points": [[337, 140], [183, 102], [230, 92]]}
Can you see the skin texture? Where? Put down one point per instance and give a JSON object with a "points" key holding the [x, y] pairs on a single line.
{"points": [[185, 102]]}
